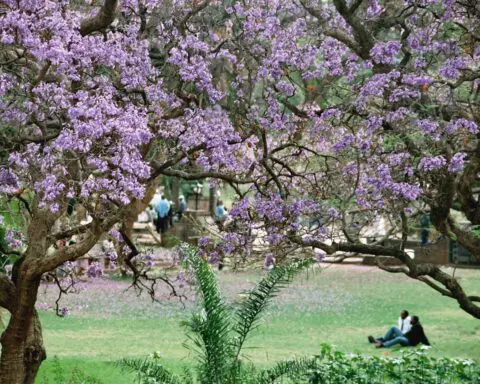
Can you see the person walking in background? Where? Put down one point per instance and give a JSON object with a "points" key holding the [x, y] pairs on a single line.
{"points": [[413, 337], [171, 213], [404, 325], [425, 232], [152, 214], [162, 208], [220, 214], [182, 206]]}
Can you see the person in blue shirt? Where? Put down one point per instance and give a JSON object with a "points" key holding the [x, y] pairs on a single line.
{"points": [[220, 214], [162, 208]]}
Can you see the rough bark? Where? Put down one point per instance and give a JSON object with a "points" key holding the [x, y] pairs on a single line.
{"points": [[22, 343], [175, 190], [101, 20], [7, 290], [212, 200]]}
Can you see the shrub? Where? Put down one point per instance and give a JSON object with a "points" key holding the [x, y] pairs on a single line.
{"points": [[218, 333], [413, 366], [76, 376]]}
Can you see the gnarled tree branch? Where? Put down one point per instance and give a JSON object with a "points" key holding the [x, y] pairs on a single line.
{"points": [[101, 20]]}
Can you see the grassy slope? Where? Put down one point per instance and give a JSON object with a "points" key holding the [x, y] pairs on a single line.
{"points": [[340, 306]]}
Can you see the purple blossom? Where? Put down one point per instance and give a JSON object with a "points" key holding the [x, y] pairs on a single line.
{"points": [[274, 236], [399, 94], [374, 9], [270, 208], [240, 209], [333, 213], [398, 158], [453, 67], [13, 239], [457, 162], [203, 241], [344, 143], [269, 261], [94, 270], [373, 123], [8, 181], [68, 267], [116, 234], [398, 114], [417, 80], [458, 124], [429, 128], [385, 52], [286, 87], [431, 163]]}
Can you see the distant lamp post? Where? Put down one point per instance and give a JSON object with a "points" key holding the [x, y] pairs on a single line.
{"points": [[197, 190]]}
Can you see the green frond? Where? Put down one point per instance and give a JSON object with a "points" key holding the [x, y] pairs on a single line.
{"points": [[249, 310], [187, 377], [293, 369], [149, 369], [210, 330]]}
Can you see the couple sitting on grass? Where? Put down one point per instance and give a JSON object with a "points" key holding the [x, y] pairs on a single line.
{"points": [[408, 333]]}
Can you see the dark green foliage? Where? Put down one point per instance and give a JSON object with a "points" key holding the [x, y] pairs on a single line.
{"points": [[210, 330], [411, 367], [75, 377], [293, 369], [150, 369]]}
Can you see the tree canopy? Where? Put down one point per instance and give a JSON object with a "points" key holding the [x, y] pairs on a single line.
{"points": [[307, 109]]}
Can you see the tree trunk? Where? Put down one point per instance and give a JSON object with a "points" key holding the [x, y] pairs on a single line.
{"points": [[22, 342], [175, 190], [212, 200]]}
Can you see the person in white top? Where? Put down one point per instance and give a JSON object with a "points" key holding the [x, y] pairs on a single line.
{"points": [[404, 325], [404, 322]]}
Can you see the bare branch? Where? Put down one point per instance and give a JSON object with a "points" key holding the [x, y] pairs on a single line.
{"points": [[183, 23], [204, 175], [337, 33], [362, 36], [140, 276]]}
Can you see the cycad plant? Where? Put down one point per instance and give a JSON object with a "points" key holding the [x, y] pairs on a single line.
{"points": [[218, 333]]}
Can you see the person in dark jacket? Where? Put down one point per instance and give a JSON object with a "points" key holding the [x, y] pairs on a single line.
{"points": [[425, 232], [171, 213], [413, 337]]}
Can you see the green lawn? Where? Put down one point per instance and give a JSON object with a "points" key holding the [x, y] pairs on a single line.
{"points": [[339, 305]]}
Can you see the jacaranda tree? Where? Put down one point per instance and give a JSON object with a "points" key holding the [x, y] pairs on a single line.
{"points": [[310, 110]]}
